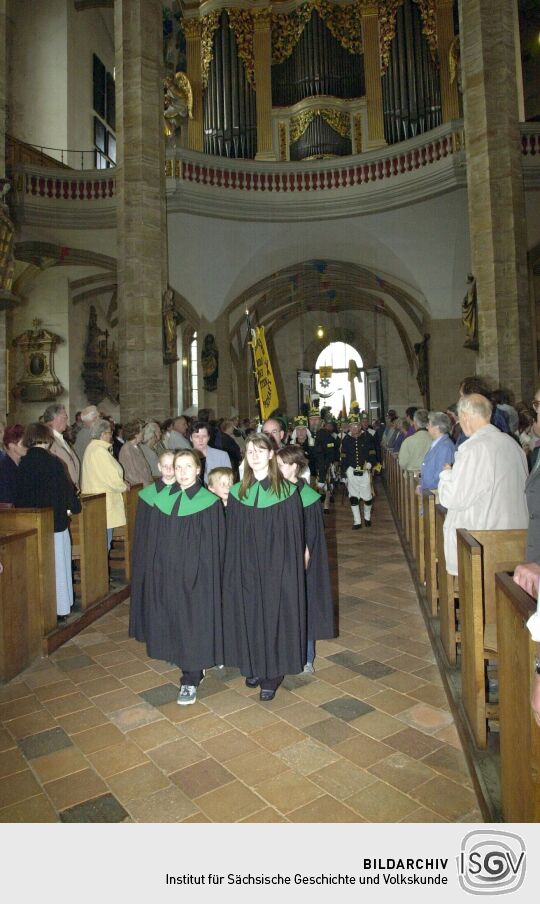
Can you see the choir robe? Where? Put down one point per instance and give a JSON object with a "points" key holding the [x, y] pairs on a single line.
{"points": [[178, 598], [320, 605], [264, 586], [144, 544]]}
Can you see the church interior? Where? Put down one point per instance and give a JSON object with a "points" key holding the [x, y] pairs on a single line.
{"points": [[347, 174]]}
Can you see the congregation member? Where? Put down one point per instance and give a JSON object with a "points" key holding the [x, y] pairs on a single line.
{"points": [[390, 429], [440, 453], [42, 482], [89, 416], [275, 431], [151, 447], [101, 473], [402, 434], [291, 462], [56, 418], [358, 457], [210, 457], [415, 446], [225, 440], [182, 587], [264, 596], [485, 489], [15, 450], [136, 468], [176, 434]]}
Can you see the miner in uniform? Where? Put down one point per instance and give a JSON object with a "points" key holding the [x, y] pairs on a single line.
{"points": [[358, 457]]}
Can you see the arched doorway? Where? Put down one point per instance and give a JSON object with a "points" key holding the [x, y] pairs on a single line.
{"points": [[339, 379]]}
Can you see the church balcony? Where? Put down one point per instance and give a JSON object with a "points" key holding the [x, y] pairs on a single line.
{"points": [[424, 167]]}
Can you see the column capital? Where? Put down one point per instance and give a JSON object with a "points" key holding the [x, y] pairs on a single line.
{"points": [[192, 29], [262, 18], [368, 8]]}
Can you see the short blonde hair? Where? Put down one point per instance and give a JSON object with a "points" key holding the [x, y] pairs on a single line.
{"points": [[216, 473]]}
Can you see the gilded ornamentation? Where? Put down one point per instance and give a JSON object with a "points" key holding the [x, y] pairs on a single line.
{"points": [[191, 28], [283, 141], [387, 26], [344, 23], [242, 23], [454, 61], [7, 241], [339, 122], [178, 102], [358, 132], [429, 19], [210, 24]]}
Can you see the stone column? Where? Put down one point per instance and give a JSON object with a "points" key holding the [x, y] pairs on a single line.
{"points": [[141, 213], [445, 36], [262, 52], [192, 31], [372, 72], [495, 194]]}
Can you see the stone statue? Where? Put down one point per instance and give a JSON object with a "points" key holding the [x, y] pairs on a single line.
{"points": [[422, 370], [210, 363], [170, 322], [469, 314]]}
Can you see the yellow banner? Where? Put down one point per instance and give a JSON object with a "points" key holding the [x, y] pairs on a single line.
{"points": [[325, 372], [268, 396]]}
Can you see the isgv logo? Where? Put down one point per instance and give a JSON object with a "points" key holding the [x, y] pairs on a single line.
{"points": [[491, 863]]}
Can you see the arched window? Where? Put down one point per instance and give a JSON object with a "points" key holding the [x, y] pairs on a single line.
{"points": [[335, 386], [194, 372]]}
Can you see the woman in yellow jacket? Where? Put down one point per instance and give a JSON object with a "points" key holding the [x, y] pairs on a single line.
{"points": [[101, 473]]}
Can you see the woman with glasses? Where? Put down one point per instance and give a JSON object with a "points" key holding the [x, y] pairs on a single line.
{"points": [[264, 588]]}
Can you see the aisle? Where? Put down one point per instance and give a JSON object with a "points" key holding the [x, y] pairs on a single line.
{"points": [[94, 733]]}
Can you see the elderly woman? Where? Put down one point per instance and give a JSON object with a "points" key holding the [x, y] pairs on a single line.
{"points": [[101, 473], [42, 482], [9, 463], [136, 468], [151, 447], [440, 453]]}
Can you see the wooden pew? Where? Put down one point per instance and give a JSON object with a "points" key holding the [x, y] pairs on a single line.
{"points": [[405, 515], [430, 551], [41, 520], [20, 618], [418, 530], [123, 536], [480, 555], [519, 733], [89, 549], [448, 594]]}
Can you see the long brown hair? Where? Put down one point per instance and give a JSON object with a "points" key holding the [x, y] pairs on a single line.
{"points": [[277, 484]]}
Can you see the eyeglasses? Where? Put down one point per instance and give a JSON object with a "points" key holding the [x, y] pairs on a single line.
{"points": [[276, 430]]}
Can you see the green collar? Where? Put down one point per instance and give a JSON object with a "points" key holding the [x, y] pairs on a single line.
{"points": [[260, 495], [308, 495], [187, 502]]}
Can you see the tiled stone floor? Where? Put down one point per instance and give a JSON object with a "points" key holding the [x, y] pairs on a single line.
{"points": [[94, 733]]}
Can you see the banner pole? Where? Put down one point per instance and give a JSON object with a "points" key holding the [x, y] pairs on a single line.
{"points": [[254, 370]]}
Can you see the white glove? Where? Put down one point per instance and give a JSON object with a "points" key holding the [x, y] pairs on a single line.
{"points": [[367, 466]]}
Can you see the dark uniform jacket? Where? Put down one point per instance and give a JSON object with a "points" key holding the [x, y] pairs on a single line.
{"points": [[357, 451], [325, 451]]}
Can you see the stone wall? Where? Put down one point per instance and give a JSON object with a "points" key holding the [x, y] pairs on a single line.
{"points": [[449, 362]]}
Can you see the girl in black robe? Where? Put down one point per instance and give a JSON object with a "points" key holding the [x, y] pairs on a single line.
{"points": [[180, 590], [264, 593], [291, 462]]}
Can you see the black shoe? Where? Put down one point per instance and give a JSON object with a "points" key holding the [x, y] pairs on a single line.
{"points": [[356, 526], [368, 523], [266, 695], [253, 682], [61, 619]]}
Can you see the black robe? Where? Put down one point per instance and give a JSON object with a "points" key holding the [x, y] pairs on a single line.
{"points": [[144, 545], [178, 597], [320, 605], [264, 587]]}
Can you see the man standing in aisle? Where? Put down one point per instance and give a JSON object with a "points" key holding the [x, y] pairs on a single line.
{"points": [[359, 456]]}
